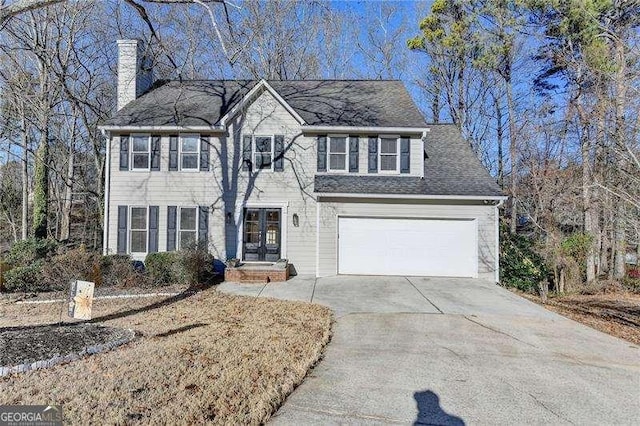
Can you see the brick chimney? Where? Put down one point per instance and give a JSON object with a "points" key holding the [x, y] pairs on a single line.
{"points": [[134, 72]]}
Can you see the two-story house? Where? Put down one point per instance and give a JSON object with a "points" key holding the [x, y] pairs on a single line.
{"points": [[337, 176]]}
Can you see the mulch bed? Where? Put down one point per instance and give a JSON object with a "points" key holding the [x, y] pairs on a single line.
{"points": [[29, 344]]}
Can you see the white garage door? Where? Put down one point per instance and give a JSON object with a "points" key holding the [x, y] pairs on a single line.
{"points": [[418, 247]]}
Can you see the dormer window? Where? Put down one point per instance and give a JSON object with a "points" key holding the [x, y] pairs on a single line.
{"points": [[389, 160], [263, 152], [338, 153]]}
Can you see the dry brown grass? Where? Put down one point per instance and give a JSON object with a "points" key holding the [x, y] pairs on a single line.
{"points": [[210, 357], [617, 314]]}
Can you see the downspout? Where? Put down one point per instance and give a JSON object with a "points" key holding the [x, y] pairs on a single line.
{"points": [[107, 180], [497, 231]]}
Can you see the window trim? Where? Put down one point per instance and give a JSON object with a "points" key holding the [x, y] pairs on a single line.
{"points": [[346, 153], [197, 152], [129, 230], [397, 154], [179, 225], [254, 152], [132, 152]]}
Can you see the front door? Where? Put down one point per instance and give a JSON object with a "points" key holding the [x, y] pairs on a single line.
{"points": [[261, 235]]}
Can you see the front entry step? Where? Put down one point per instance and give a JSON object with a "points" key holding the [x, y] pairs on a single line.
{"points": [[257, 273]]}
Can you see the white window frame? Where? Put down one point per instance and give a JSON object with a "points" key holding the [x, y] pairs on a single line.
{"points": [[179, 225], [254, 152], [129, 230], [346, 154], [197, 152], [131, 152], [380, 154]]}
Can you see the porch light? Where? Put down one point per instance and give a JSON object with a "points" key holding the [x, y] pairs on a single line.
{"points": [[296, 220]]}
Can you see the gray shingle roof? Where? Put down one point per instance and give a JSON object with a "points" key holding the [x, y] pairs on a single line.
{"points": [[367, 103], [451, 168]]}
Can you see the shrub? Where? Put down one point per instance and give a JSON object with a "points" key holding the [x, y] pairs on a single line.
{"points": [[4, 267], [186, 267], [67, 266], [634, 273], [165, 268], [26, 278], [520, 265], [118, 270], [25, 252], [198, 266]]}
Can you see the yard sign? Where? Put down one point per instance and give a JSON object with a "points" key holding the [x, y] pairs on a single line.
{"points": [[81, 299]]}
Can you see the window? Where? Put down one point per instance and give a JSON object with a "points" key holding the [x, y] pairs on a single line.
{"points": [[138, 230], [263, 152], [188, 233], [189, 152], [140, 152], [389, 154], [338, 153]]}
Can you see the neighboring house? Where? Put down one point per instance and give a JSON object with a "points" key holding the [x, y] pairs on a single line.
{"points": [[338, 177]]}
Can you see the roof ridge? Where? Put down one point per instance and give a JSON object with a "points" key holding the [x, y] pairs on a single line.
{"points": [[184, 80]]}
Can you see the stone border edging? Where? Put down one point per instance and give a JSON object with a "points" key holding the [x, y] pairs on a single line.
{"points": [[46, 363], [117, 296]]}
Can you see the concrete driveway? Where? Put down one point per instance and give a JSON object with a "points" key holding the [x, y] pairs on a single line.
{"points": [[454, 351]]}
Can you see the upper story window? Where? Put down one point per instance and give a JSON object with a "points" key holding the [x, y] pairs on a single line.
{"points": [[389, 158], [338, 153], [138, 229], [189, 152], [140, 152], [263, 152], [188, 230]]}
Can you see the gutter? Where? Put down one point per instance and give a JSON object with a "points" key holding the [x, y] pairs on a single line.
{"points": [[359, 129], [499, 198], [107, 179], [216, 129]]}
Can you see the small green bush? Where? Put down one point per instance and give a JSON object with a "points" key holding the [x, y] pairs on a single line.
{"points": [[520, 265], [185, 267], [25, 252], [165, 268], [26, 278]]}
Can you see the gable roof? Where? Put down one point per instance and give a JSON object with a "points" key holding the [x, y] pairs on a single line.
{"points": [[451, 169], [191, 103]]}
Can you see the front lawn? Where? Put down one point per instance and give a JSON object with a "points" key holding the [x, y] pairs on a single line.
{"points": [[206, 357]]}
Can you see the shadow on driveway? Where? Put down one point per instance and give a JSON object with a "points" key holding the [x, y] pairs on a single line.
{"points": [[430, 412]]}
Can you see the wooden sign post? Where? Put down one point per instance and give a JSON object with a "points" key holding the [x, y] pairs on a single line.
{"points": [[81, 299]]}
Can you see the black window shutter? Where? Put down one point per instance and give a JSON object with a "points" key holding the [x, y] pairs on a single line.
{"points": [[173, 153], [322, 153], [172, 212], [278, 152], [246, 152], [155, 153], [203, 225], [124, 152], [122, 229], [405, 155], [373, 154], [154, 217], [204, 153], [354, 148]]}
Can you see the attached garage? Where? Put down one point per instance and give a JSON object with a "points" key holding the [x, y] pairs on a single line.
{"points": [[408, 246]]}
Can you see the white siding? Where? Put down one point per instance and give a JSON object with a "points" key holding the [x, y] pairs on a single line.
{"points": [[330, 210], [226, 189]]}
